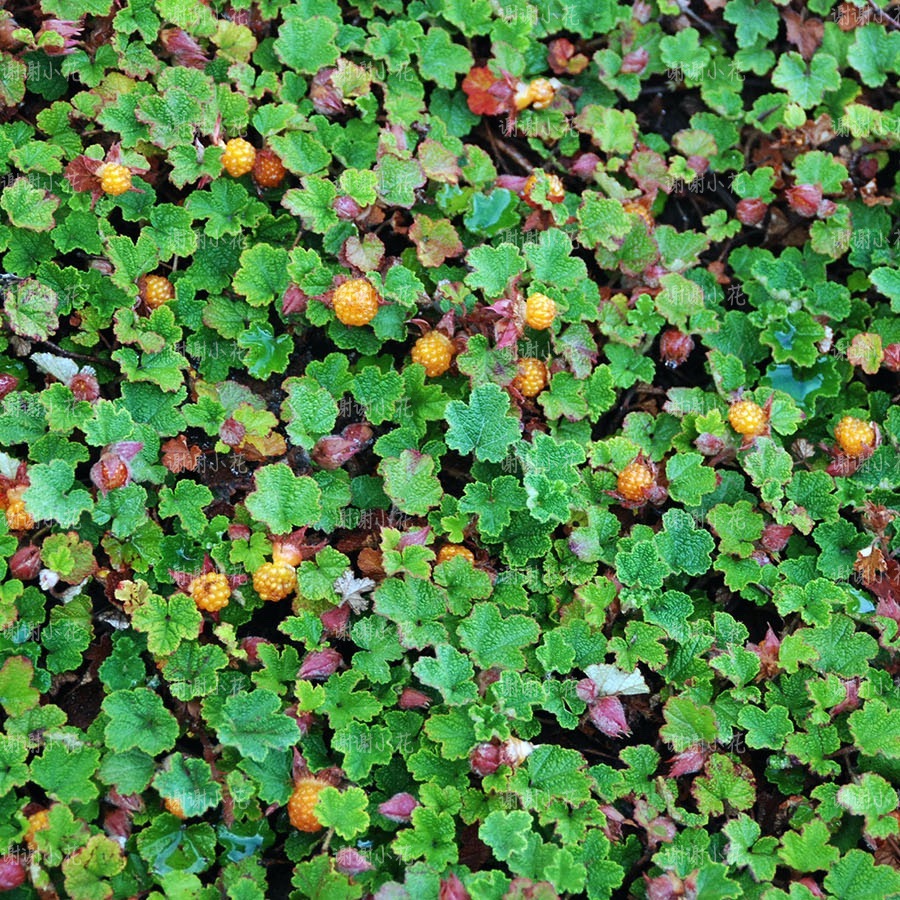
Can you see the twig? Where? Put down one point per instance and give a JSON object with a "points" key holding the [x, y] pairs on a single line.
{"points": [[70, 355], [882, 12]]}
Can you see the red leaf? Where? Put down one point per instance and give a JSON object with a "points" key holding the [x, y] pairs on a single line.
{"points": [[477, 85], [399, 808], [320, 664]]}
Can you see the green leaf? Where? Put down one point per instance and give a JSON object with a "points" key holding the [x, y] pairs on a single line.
{"points": [[874, 798], [254, 723], [263, 274], [876, 729], [266, 353], [482, 425], [65, 772], [857, 877], [682, 546], [765, 728], [451, 673], [441, 59], [87, 872], [493, 267], [493, 503], [504, 832], [809, 851], [807, 84], [186, 502], [344, 811], [307, 44], [167, 622], [497, 641], [552, 262], [687, 724], [282, 500], [556, 772], [27, 206], [138, 719], [432, 838], [31, 308], [189, 781], [689, 479], [409, 480], [49, 496], [17, 694]]}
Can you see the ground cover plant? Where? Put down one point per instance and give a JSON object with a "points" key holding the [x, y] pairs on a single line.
{"points": [[449, 449]]}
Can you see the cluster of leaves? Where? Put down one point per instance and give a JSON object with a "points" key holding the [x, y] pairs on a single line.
{"points": [[705, 685]]}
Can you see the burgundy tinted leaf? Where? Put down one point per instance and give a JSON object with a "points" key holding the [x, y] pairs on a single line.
{"points": [[688, 761], [184, 49], [751, 210], [410, 698], [804, 199], [608, 716], [485, 759], [293, 300], [350, 862], [8, 383], [418, 538], [453, 889], [635, 62], [335, 620], [399, 807], [25, 563], [320, 664], [775, 537]]}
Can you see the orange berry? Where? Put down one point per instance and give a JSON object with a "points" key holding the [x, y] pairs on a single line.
{"points": [[115, 179], [531, 378], [17, 516], [355, 302], [174, 806], [639, 209], [556, 192], [748, 418], [634, 481], [540, 311], [448, 551], [210, 591], [275, 581], [434, 351], [39, 821], [238, 157], [542, 92], [268, 170], [156, 290], [303, 802], [854, 435]]}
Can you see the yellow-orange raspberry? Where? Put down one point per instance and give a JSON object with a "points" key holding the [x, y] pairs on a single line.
{"points": [[448, 551], [748, 418], [275, 581], [303, 802], [634, 481], [355, 302], [531, 378], [156, 290], [434, 351], [39, 821], [268, 170], [639, 210], [540, 311], [238, 157], [556, 192], [115, 179], [17, 516], [211, 591], [174, 806], [854, 435], [542, 92]]}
